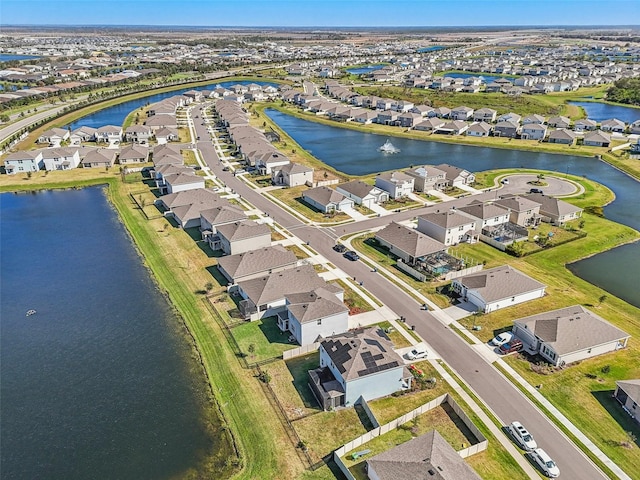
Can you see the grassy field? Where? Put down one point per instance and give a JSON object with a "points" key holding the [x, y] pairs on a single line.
{"points": [[267, 339]]}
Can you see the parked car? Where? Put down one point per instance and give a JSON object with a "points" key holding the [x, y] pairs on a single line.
{"points": [[340, 248], [504, 337], [225, 169], [535, 190], [514, 345], [505, 181], [543, 460], [417, 353], [522, 437], [351, 255]]}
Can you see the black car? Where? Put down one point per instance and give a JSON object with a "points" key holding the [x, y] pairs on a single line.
{"points": [[351, 255], [338, 247], [535, 190], [514, 345]]}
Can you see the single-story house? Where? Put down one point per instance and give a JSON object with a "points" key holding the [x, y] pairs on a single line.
{"points": [[205, 196], [362, 193], [596, 138], [256, 263], [240, 237], [54, 136], [613, 125], [585, 125], [429, 124], [456, 176], [317, 313], [157, 122], [82, 134], [428, 178], [559, 122], [479, 129], [179, 182], [497, 288], [133, 154], [357, 364], [23, 161], [428, 456], [562, 135], [568, 335], [265, 296], [407, 243], [554, 210], [628, 394], [455, 127], [397, 184], [449, 228], [327, 199], [292, 175], [101, 157], [164, 135]]}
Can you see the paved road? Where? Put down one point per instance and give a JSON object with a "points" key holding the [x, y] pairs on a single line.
{"points": [[494, 390]]}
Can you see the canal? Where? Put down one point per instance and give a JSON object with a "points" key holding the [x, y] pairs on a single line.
{"points": [[356, 153]]}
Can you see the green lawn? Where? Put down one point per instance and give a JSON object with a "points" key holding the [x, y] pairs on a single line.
{"points": [[289, 381], [292, 197], [396, 337], [267, 339], [353, 300]]}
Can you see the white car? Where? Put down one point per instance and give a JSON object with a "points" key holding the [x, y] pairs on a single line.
{"points": [[504, 337], [543, 460], [522, 437], [416, 353]]}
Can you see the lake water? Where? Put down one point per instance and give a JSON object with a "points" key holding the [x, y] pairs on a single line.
{"points": [[100, 382], [433, 48], [485, 78], [364, 69], [602, 111], [6, 57], [356, 153], [116, 114]]}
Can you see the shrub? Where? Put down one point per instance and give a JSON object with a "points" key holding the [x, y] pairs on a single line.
{"points": [[264, 377]]}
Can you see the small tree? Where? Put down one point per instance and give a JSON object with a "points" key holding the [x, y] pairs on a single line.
{"points": [[581, 224], [208, 287], [252, 350], [602, 299]]}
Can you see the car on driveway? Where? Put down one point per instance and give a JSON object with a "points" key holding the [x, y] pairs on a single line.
{"points": [[417, 353], [544, 461], [340, 248], [522, 437], [501, 338], [351, 255], [514, 345]]}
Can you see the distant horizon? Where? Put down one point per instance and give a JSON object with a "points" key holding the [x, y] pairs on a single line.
{"points": [[319, 13], [325, 27]]}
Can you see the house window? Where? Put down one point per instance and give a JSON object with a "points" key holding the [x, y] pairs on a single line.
{"points": [[320, 322]]}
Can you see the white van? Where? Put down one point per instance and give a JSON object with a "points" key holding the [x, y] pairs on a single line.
{"points": [[522, 437], [543, 460]]}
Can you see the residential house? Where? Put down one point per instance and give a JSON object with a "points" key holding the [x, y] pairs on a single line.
{"points": [[362, 193], [365, 117], [479, 129], [461, 113], [509, 117], [397, 184], [456, 176], [292, 175], [613, 125], [161, 121], [628, 394], [568, 335], [60, 158], [256, 263], [585, 125], [82, 135], [634, 128], [240, 237], [450, 227], [428, 456], [387, 117], [441, 112], [554, 210], [54, 136], [266, 162], [524, 212], [534, 118], [133, 154], [407, 243], [138, 134], [327, 200], [596, 139], [497, 288], [428, 178], [485, 115], [109, 134], [559, 122], [205, 196], [455, 127], [534, 131], [317, 313], [222, 213], [432, 123], [265, 296], [100, 157], [562, 135], [164, 135], [487, 214], [409, 119], [181, 181], [357, 364], [23, 161], [506, 128]]}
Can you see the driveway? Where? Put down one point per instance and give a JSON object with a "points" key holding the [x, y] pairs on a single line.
{"points": [[461, 310]]}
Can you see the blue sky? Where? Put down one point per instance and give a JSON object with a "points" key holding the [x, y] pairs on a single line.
{"points": [[320, 13]]}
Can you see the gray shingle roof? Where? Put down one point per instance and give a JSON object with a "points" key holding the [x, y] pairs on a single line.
{"points": [[631, 387], [357, 354], [449, 219], [427, 457], [517, 204], [324, 195], [571, 329], [408, 240], [499, 283], [256, 261], [314, 305], [484, 211], [551, 206], [357, 188], [242, 230], [198, 195]]}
